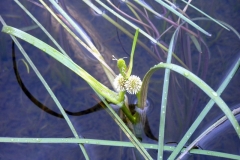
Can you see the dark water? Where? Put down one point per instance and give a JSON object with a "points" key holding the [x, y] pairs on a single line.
{"points": [[19, 116]]}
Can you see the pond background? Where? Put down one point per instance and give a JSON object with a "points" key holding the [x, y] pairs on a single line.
{"points": [[19, 117]]}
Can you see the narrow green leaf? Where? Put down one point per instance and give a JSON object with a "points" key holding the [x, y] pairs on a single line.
{"points": [[74, 24], [126, 130], [49, 91], [110, 143], [183, 17], [205, 14], [126, 21], [207, 108], [196, 43], [99, 88], [165, 96], [130, 66], [103, 90], [216, 125], [40, 26], [90, 4], [203, 86], [109, 72], [224, 23]]}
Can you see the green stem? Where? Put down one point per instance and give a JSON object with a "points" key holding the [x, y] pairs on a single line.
{"points": [[132, 118], [121, 96]]}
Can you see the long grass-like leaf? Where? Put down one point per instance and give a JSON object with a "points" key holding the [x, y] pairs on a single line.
{"points": [[77, 27], [111, 143], [165, 96], [90, 4], [126, 21], [109, 72], [207, 131], [126, 130], [224, 23], [49, 91], [105, 92], [196, 43], [97, 10], [183, 17], [130, 66], [143, 94], [40, 26], [143, 4], [207, 89], [214, 20], [206, 109], [100, 89]]}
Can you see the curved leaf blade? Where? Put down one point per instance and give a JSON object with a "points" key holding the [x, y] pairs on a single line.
{"points": [[183, 17], [203, 86], [103, 90]]}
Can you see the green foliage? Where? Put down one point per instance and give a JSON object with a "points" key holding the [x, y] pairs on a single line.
{"points": [[119, 98]]}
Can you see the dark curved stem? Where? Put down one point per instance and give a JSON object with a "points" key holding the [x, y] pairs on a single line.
{"points": [[128, 16], [97, 107], [148, 20]]}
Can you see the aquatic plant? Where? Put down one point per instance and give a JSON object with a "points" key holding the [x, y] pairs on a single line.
{"points": [[125, 82]]}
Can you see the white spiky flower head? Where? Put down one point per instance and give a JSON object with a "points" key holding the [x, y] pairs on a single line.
{"points": [[119, 83], [133, 84]]}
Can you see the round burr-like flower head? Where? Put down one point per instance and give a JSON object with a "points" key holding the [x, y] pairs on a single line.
{"points": [[133, 84], [119, 83]]}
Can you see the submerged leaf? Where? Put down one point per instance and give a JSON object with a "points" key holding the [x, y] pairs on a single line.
{"points": [[196, 43]]}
